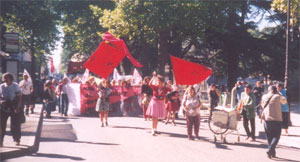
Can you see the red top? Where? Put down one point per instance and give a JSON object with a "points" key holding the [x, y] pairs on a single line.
{"points": [[160, 92]]}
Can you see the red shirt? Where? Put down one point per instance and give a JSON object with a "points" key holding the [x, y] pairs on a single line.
{"points": [[160, 92]]}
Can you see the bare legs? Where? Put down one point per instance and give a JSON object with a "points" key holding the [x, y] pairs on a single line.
{"points": [[154, 125], [173, 117], [105, 115]]}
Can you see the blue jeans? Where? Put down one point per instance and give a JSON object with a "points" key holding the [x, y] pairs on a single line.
{"points": [[273, 132]]}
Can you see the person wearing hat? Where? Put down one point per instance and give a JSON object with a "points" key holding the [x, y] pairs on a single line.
{"points": [[248, 101]]}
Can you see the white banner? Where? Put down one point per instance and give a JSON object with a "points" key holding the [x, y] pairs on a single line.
{"points": [[73, 90]]}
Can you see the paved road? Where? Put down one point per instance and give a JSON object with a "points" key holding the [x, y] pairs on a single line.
{"points": [[129, 139]]}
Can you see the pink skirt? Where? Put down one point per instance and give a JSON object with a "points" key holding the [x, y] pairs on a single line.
{"points": [[156, 108]]}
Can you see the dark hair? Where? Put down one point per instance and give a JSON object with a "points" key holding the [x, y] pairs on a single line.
{"points": [[280, 85], [248, 86], [8, 76], [146, 77]]}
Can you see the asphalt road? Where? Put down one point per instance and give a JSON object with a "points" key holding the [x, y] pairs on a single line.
{"points": [[129, 139]]}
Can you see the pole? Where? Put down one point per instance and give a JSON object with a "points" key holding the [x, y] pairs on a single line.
{"points": [[286, 85]]}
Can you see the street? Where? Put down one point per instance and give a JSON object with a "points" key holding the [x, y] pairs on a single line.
{"points": [[130, 139]]}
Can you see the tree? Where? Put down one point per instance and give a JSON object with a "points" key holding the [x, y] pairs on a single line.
{"points": [[82, 32], [36, 22]]}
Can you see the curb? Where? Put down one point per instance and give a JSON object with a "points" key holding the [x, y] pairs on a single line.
{"points": [[30, 149]]}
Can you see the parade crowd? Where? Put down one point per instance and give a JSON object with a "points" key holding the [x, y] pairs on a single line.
{"points": [[156, 100]]}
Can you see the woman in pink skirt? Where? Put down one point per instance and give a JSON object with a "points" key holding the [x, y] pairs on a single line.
{"points": [[156, 108]]}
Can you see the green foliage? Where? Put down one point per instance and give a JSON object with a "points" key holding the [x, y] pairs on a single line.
{"points": [[82, 32], [36, 22]]}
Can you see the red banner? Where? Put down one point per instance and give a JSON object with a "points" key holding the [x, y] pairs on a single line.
{"points": [[88, 98], [75, 67], [104, 60], [189, 73], [120, 44], [120, 93]]}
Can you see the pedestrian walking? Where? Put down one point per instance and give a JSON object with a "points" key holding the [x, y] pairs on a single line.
{"points": [[258, 92], [103, 104], [49, 98], [272, 116], [248, 111], [156, 108], [26, 89], [63, 92], [10, 106], [172, 106], [214, 95], [284, 109], [191, 104], [146, 96]]}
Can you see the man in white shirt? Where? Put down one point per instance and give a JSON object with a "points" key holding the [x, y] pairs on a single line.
{"points": [[26, 89]]}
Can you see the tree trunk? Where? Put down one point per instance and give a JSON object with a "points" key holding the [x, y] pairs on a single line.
{"points": [[163, 51], [32, 62]]}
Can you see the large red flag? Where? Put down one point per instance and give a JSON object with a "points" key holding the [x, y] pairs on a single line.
{"points": [[188, 73], [119, 43], [52, 65], [103, 61]]}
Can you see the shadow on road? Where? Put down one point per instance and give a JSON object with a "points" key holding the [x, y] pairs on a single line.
{"points": [[128, 127], [58, 156], [284, 159]]}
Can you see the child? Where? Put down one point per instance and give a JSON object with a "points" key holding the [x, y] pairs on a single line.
{"points": [[172, 106]]}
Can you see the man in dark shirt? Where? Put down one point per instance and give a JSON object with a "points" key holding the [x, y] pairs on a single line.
{"points": [[214, 95], [258, 92]]}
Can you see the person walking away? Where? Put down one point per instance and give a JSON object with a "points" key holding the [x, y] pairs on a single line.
{"points": [[258, 92], [64, 96], [103, 104], [248, 111], [10, 106], [26, 89], [156, 108], [191, 104], [272, 116], [146, 94], [214, 95], [49, 98], [284, 109], [172, 106]]}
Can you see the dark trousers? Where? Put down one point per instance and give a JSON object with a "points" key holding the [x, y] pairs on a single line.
{"points": [[193, 121], [58, 103], [15, 124], [246, 126], [212, 107], [64, 104], [273, 132], [26, 101]]}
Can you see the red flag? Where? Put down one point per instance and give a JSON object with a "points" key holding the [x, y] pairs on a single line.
{"points": [[188, 73], [103, 61], [119, 43], [52, 65]]}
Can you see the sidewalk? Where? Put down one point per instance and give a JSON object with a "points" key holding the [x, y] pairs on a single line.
{"points": [[30, 136]]}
